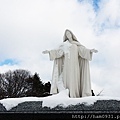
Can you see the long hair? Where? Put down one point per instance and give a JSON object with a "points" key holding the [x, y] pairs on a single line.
{"points": [[65, 37]]}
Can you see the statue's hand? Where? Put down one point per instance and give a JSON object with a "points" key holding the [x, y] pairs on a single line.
{"points": [[45, 52], [93, 50]]}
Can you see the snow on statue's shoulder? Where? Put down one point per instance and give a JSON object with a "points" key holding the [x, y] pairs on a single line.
{"points": [[52, 101]]}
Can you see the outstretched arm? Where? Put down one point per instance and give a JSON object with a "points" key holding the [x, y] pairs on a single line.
{"points": [[46, 52], [53, 54], [93, 50], [86, 53]]}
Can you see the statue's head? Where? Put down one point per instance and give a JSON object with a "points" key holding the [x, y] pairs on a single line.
{"points": [[68, 34]]}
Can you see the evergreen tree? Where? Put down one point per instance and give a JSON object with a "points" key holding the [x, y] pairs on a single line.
{"points": [[37, 87]]}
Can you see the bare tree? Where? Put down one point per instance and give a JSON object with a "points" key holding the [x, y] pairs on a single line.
{"points": [[3, 86], [20, 83], [14, 83]]}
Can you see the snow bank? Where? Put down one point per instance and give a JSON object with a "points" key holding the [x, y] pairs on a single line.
{"points": [[54, 100], [13, 102]]}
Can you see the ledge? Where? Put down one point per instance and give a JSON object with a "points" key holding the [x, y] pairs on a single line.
{"points": [[99, 106]]}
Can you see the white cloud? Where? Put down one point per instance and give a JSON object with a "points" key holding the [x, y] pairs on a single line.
{"points": [[6, 68], [27, 27]]}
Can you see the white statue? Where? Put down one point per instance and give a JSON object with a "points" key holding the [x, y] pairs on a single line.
{"points": [[71, 67]]}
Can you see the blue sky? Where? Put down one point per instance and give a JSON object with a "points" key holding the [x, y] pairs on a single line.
{"points": [[95, 3], [29, 27], [8, 62]]}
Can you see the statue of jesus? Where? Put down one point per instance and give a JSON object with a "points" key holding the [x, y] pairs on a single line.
{"points": [[71, 67]]}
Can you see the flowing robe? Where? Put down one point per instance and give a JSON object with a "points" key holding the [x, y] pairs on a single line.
{"points": [[71, 70]]}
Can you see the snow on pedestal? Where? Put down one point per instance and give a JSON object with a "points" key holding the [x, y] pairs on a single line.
{"points": [[61, 99]]}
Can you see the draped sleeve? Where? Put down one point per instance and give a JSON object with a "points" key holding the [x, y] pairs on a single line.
{"points": [[53, 54], [85, 53]]}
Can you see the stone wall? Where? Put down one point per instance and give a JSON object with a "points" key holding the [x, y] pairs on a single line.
{"points": [[36, 106]]}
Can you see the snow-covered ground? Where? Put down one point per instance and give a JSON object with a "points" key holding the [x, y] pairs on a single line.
{"points": [[54, 100]]}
